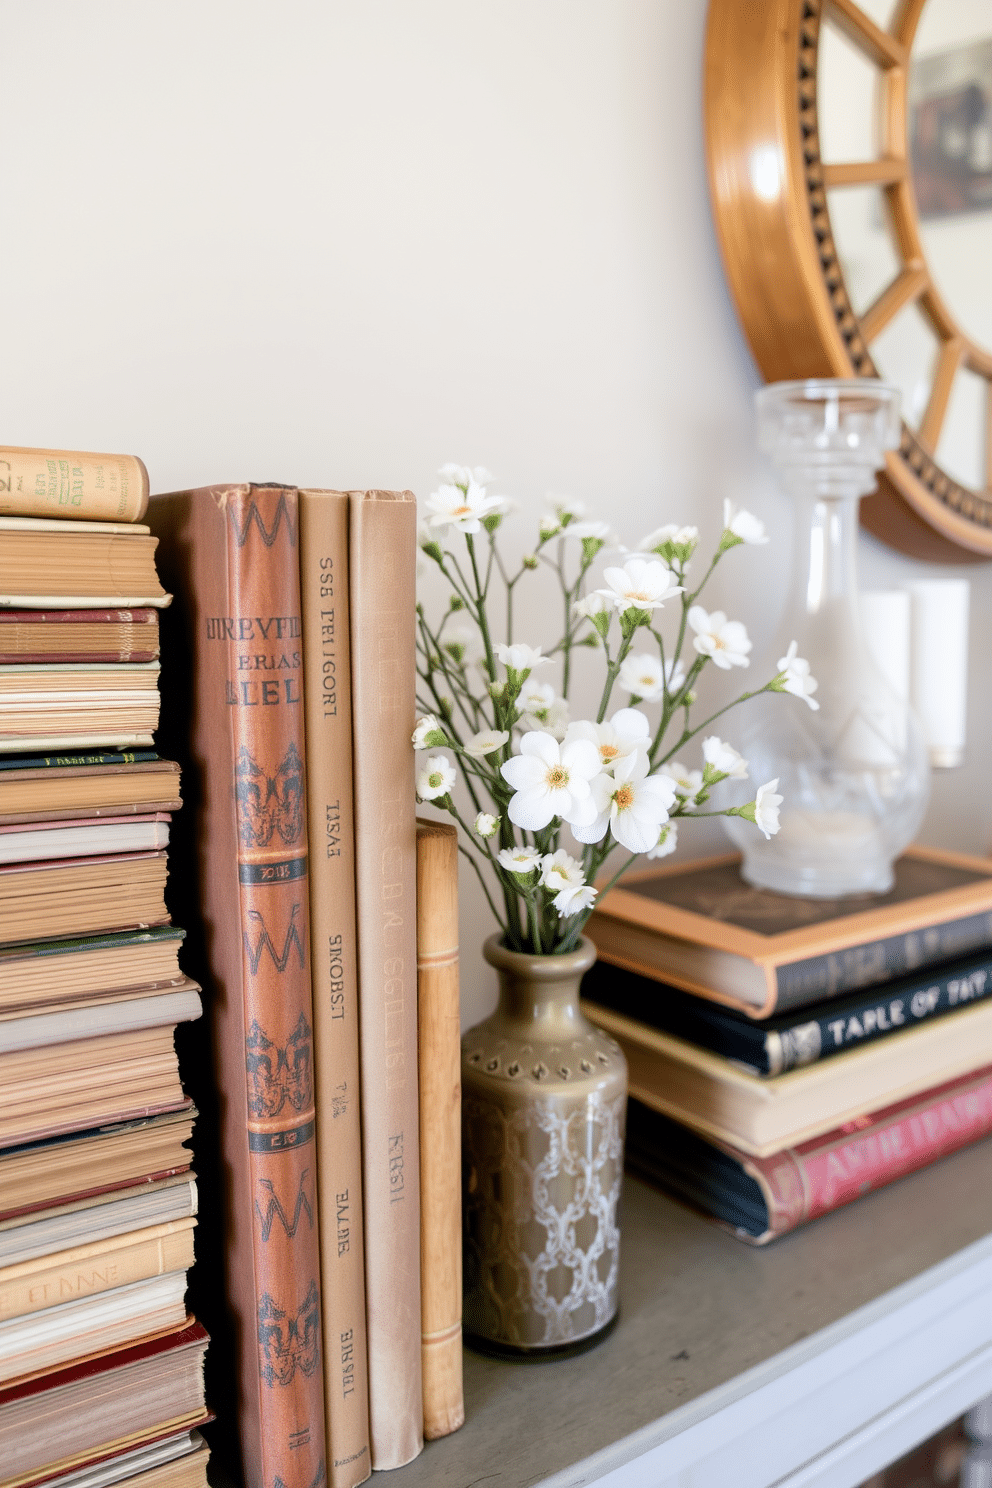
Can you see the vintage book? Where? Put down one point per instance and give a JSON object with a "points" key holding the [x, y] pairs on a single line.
{"points": [[770, 1046], [83, 1270], [383, 552], [96, 1218], [28, 842], [82, 1164], [75, 1411], [89, 1082], [158, 1009], [334, 968], [700, 926], [110, 783], [97, 1324], [758, 1198], [97, 704], [48, 565], [175, 1461], [723, 1100], [72, 483], [78, 635], [91, 968], [81, 896], [232, 555], [438, 1015]]}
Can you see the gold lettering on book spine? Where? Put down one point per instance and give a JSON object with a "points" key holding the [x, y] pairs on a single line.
{"points": [[269, 786]]}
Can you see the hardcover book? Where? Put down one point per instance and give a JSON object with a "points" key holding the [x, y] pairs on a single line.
{"points": [[47, 565], [72, 483], [51, 787], [722, 1100], [770, 1046], [758, 1198], [97, 968], [702, 927], [82, 896], [78, 635], [232, 555]]}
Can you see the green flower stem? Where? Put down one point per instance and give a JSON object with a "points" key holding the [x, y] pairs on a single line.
{"points": [[535, 927], [691, 733], [612, 671], [480, 608], [485, 889], [691, 598]]}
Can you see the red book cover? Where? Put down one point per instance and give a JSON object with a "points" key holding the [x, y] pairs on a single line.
{"points": [[806, 1181], [191, 1335], [33, 637]]}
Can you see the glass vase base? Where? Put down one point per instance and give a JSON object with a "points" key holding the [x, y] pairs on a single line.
{"points": [[527, 1354], [818, 882]]}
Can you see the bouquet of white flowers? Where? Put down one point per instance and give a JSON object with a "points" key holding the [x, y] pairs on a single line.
{"points": [[529, 770]]}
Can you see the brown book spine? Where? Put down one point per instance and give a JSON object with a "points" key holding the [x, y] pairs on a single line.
{"points": [[438, 1016], [72, 483], [234, 552], [85, 1270], [334, 966], [383, 552]]}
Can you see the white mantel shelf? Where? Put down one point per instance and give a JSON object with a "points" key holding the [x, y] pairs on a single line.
{"points": [[810, 1363]]}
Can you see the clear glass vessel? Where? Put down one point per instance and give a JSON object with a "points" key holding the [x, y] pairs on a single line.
{"points": [[854, 774]]}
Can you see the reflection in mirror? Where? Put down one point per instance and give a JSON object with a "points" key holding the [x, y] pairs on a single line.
{"points": [[921, 289]]}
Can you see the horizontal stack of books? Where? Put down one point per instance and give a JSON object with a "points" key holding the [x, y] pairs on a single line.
{"points": [[788, 1055], [101, 1368]]}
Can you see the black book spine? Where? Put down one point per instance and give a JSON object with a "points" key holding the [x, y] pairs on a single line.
{"points": [[778, 1044], [800, 983]]}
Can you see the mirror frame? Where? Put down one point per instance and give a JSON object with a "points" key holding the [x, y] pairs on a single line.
{"points": [[769, 192]]}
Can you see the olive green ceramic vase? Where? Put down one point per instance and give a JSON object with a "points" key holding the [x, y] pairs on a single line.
{"points": [[543, 1104]]}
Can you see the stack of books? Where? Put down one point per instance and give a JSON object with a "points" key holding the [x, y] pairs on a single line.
{"points": [[288, 694], [788, 1055], [101, 1368]]}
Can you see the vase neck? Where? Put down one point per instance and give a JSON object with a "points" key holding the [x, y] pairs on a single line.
{"points": [[534, 1005], [825, 563]]}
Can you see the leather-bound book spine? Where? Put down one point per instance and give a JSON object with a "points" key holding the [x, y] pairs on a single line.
{"points": [[440, 1126], [232, 553], [383, 548], [334, 963], [72, 483]]}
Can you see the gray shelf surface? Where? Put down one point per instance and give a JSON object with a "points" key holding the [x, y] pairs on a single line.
{"points": [[699, 1308]]}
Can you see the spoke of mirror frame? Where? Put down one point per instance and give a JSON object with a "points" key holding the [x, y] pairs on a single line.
{"points": [[904, 289], [948, 362], [877, 45], [905, 21], [988, 436], [864, 173]]}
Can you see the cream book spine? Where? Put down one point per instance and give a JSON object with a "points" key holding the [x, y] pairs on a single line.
{"points": [[383, 552], [85, 1270], [334, 973]]}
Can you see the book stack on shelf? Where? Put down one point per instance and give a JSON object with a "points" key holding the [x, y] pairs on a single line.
{"points": [[101, 1368], [288, 677], [788, 1055]]}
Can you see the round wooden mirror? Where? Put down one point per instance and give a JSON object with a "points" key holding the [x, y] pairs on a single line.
{"points": [[850, 159]]}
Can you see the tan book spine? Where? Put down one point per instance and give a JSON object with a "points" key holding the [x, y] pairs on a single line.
{"points": [[72, 483], [383, 552], [334, 970], [70, 1275], [438, 1017]]}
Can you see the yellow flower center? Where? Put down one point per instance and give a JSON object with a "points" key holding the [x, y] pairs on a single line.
{"points": [[557, 778], [624, 797], [609, 751], [461, 511]]}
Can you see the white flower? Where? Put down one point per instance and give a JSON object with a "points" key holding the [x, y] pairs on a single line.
{"points": [[541, 708], [601, 531], [519, 859], [766, 804], [642, 583], [461, 508], [548, 525], [679, 537], [591, 605], [667, 842], [641, 674], [486, 825], [566, 506], [724, 759], [462, 642], [563, 875], [436, 778], [427, 728], [519, 657], [551, 780], [633, 804], [725, 641], [797, 679], [486, 742], [465, 475], [744, 525], [688, 783], [627, 732]]}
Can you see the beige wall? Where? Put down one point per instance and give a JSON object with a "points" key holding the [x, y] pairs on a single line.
{"points": [[339, 244]]}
